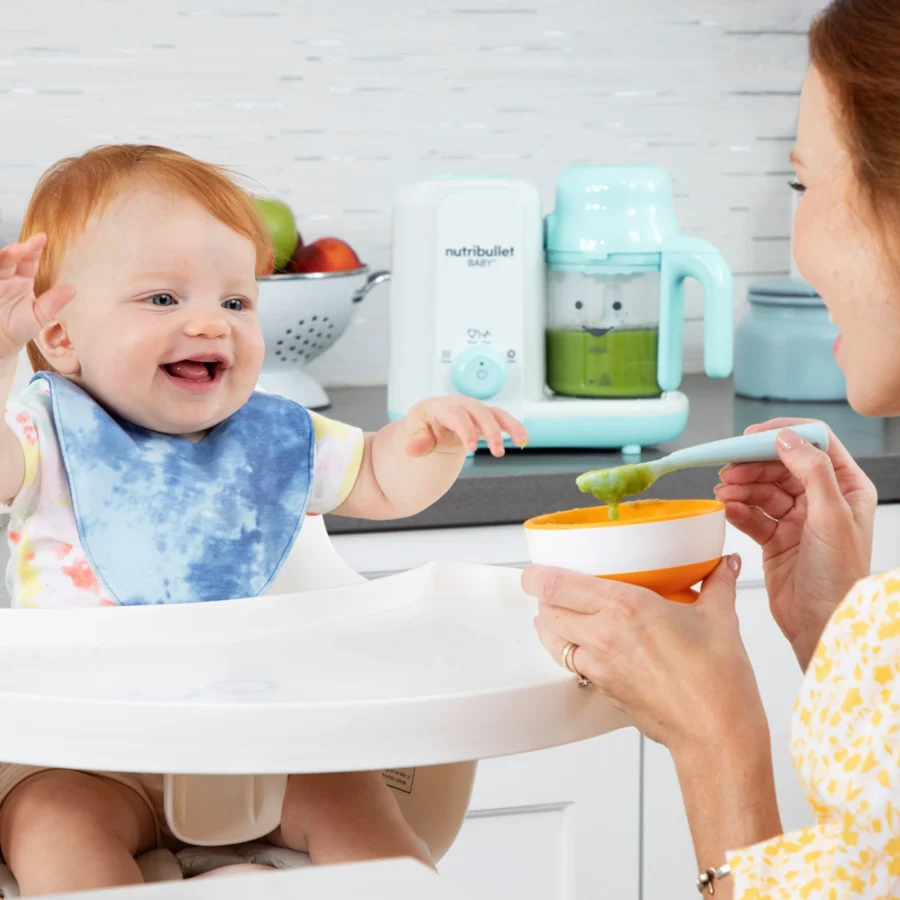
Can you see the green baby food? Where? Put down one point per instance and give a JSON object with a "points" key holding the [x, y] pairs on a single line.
{"points": [[610, 486], [619, 363]]}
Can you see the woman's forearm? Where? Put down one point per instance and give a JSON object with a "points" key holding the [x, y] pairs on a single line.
{"points": [[729, 796]]}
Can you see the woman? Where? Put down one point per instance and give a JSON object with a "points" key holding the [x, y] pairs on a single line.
{"points": [[681, 673]]}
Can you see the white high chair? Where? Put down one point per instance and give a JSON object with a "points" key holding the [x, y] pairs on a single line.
{"points": [[290, 682], [216, 810]]}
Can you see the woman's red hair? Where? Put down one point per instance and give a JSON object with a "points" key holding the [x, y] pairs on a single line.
{"points": [[855, 45]]}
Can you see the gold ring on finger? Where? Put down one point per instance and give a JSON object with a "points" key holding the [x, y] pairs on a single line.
{"points": [[568, 659]]}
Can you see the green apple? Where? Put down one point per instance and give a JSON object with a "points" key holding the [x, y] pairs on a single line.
{"points": [[281, 226]]}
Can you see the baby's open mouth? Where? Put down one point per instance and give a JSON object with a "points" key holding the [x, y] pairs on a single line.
{"points": [[196, 371]]}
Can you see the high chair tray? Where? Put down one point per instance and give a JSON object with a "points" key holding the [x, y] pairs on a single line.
{"points": [[440, 664]]}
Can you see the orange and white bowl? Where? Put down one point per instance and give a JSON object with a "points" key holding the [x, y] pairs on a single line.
{"points": [[667, 546]]}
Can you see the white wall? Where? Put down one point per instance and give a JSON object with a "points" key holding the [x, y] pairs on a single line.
{"points": [[331, 105]]}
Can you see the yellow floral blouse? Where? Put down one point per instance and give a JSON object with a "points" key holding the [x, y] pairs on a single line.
{"points": [[846, 747]]}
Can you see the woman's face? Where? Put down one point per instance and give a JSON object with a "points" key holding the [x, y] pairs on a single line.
{"points": [[840, 252]]}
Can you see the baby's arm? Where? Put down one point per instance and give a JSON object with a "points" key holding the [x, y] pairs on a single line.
{"points": [[22, 316], [410, 464], [12, 459]]}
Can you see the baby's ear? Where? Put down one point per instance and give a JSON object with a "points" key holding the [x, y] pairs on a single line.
{"points": [[56, 345]]}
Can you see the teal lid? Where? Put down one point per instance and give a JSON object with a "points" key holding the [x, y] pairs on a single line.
{"points": [[604, 211], [784, 292]]}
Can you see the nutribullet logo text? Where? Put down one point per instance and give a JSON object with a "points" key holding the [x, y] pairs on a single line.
{"points": [[478, 251], [480, 257]]}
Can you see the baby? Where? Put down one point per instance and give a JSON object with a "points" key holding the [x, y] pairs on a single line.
{"points": [[142, 466]]}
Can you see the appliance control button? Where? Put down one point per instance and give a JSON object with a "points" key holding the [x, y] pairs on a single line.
{"points": [[479, 372]]}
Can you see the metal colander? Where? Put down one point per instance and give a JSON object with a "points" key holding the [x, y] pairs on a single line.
{"points": [[301, 317]]}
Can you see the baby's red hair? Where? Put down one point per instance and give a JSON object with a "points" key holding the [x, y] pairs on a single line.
{"points": [[74, 189]]}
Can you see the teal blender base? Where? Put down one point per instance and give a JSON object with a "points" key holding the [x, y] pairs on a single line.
{"points": [[627, 433], [605, 433]]}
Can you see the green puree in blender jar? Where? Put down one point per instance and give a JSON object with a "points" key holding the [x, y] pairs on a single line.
{"points": [[609, 486], [619, 363]]}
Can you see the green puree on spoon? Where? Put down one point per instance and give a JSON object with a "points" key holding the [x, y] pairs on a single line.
{"points": [[610, 486]]}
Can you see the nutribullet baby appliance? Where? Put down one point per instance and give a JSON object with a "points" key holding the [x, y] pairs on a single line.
{"points": [[573, 324]]}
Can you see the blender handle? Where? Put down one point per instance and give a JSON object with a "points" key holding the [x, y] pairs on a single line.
{"points": [[692, 258]]}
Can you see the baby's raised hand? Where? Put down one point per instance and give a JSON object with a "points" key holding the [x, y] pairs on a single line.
{"points": [[454, 424], [22, 315]]}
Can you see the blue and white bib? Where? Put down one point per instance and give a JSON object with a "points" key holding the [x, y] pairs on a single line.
{"points": [[164, 520]]}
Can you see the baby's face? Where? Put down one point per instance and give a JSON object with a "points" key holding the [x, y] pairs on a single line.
{"points": [[163, 330]]}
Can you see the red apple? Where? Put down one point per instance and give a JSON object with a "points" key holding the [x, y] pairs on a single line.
{"points": [[325, 255], [288, 266]]}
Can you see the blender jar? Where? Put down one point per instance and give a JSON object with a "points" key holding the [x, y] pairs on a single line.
{"points": [[603, 332]]}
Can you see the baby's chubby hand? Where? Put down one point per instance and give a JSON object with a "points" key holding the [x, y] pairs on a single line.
{"points": [[455, 425], [22, 315]]}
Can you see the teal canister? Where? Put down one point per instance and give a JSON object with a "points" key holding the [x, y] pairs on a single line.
{"points": [[783, 346]]}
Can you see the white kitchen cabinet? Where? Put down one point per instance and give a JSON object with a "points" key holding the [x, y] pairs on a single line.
{"points": [[560, 824]]}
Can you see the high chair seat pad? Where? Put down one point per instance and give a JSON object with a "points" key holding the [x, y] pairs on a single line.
{"points": [[165, 520], [436, 665], [197, 860]]}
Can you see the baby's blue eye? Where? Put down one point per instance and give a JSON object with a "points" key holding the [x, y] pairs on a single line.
{"points": [[162, 300], [235, 304]]}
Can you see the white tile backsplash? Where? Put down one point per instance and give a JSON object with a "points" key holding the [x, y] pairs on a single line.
{"points": [[332, 105]]}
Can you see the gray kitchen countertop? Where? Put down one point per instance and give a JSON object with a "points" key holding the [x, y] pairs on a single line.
{"points": [[532, 482]]}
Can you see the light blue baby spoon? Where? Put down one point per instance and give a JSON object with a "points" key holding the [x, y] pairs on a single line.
{"points": [[611, 485]]}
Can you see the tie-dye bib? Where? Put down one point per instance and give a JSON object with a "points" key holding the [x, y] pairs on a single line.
{"points": [[164, 520]]}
